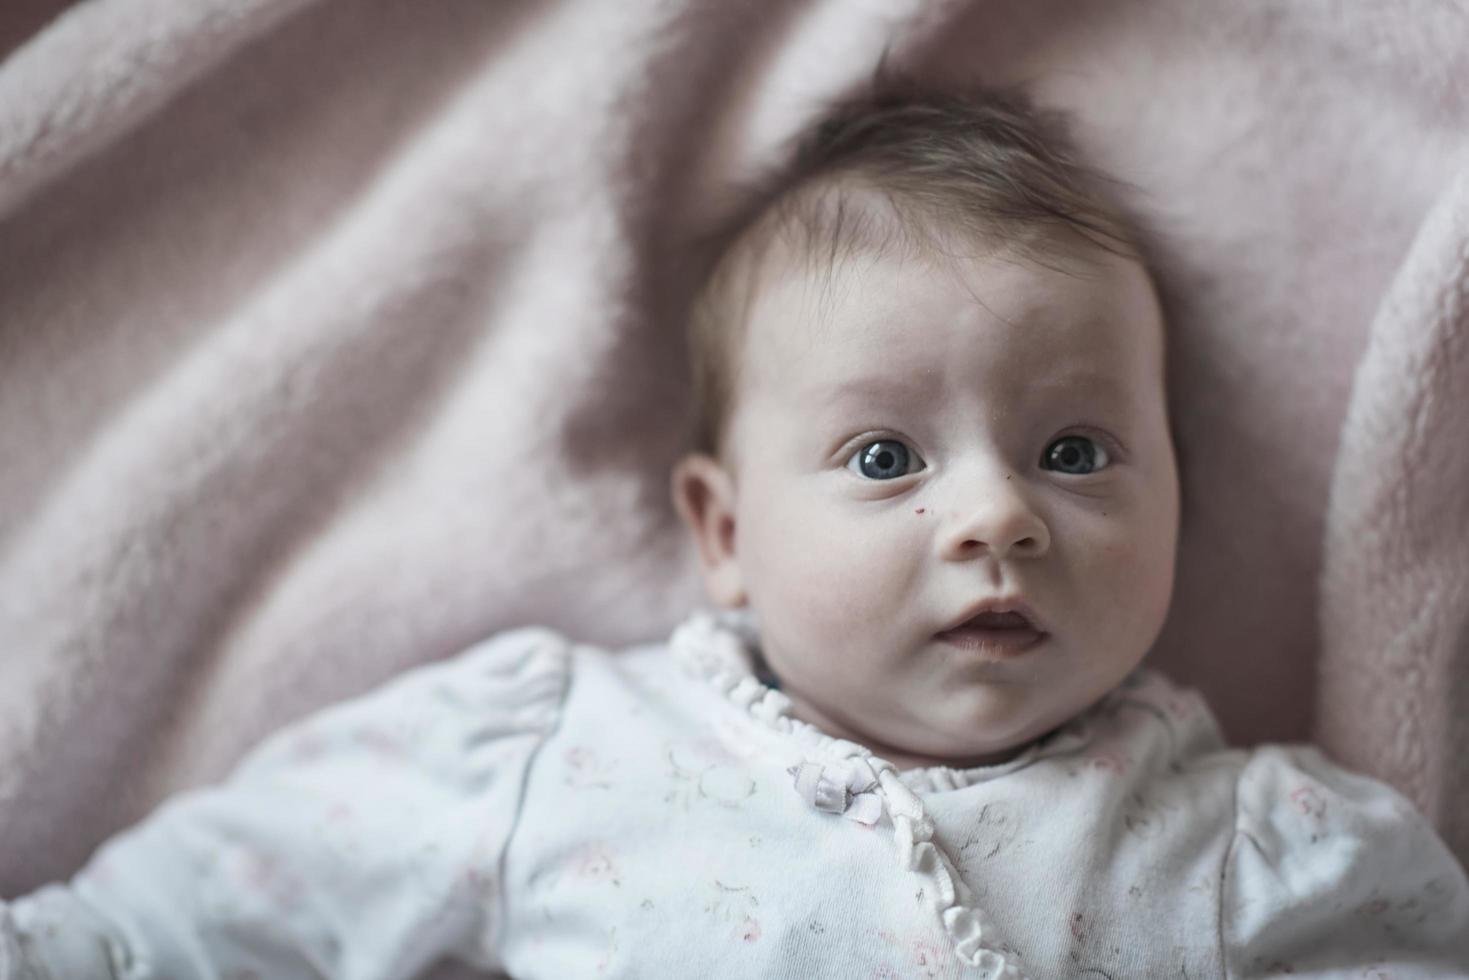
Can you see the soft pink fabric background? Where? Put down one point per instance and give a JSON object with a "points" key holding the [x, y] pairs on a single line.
{"points": [[336, 335]]}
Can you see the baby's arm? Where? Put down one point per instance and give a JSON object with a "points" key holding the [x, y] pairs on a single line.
{"points": [[362, 844], [1336, 875]]}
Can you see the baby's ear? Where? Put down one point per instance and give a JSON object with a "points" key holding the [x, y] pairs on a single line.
{"points": [[704, 495]]}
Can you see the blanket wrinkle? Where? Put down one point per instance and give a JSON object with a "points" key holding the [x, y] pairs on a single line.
{"points": [[124, 59], [137, 208], [336, 335], [1395, 626]]}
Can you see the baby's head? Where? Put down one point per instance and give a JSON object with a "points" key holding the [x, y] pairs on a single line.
{"points": [[930, 382]]}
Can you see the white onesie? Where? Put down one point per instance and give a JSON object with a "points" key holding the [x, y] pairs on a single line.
{"points": [[548, 810]]}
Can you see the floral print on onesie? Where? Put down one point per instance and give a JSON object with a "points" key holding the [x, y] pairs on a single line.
{"points": [[542, 809]]}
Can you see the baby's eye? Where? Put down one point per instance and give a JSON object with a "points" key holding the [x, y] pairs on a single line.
{"points": [[1076, 455], [885, 459]]}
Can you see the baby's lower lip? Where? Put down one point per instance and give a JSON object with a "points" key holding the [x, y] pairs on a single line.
{"points": [[998, 642]]}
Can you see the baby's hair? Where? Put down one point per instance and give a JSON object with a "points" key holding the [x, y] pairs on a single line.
{"points": [[899, 169]]}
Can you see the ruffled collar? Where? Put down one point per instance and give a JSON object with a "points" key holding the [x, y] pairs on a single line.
{"points": [[840, 777], [722, 648]]}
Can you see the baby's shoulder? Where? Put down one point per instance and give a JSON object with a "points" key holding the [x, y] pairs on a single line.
{"points": [[643, 684], [1285, 793], [542, 665], [510, 683], [1314, 856], [1334, 861], [1292, 784], [1293, 803], [524, 654], [518, 665]]}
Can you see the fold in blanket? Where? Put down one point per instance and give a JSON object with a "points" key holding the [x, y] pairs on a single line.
{"points": [[336, 335], [1394, 678]]}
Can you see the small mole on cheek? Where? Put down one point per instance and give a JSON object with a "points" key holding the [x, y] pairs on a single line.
{"points": [[918, 511]]}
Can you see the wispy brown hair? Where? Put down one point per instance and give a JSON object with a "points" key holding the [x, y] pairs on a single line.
{"points": [[899, 169]]}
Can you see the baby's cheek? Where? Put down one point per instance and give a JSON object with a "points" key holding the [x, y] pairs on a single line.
{"points": [[819, 577], [1133, 573], [823, 565]]}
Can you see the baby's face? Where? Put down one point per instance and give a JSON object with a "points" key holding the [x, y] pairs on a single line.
{"points": [[911, 440]]}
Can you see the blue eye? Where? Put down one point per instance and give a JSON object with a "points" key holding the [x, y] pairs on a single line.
{"points": [[1074, 455], [886, 459]]}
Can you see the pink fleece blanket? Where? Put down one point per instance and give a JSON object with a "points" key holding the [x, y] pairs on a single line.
{"points": [[336, 335]]}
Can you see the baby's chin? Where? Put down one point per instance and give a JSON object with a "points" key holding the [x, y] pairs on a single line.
{"points": [[941, 737], [966, 749]]}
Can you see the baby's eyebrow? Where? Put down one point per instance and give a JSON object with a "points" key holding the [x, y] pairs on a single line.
{"points": [[887, 389], [1090, 383], [883, 390]]}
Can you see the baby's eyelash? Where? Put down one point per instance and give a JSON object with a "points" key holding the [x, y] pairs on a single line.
{"points": [[1115, 449], [855, 443]]}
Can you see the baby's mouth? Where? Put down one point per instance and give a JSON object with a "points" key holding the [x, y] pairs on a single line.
{"points": [[1004, 634]]}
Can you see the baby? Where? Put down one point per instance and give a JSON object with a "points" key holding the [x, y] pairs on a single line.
{"points": [[936, 501]]}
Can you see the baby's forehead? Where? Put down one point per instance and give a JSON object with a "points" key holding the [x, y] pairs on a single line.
{"points": [[808, 285], [873, 313]]}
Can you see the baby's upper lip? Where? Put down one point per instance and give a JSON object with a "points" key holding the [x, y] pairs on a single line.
{"points": [[1012, 603]]}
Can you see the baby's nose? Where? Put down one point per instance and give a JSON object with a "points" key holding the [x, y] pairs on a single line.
{"points": [[1000, 522]]}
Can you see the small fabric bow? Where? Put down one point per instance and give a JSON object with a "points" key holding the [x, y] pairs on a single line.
{"points": [[843, 789]]}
